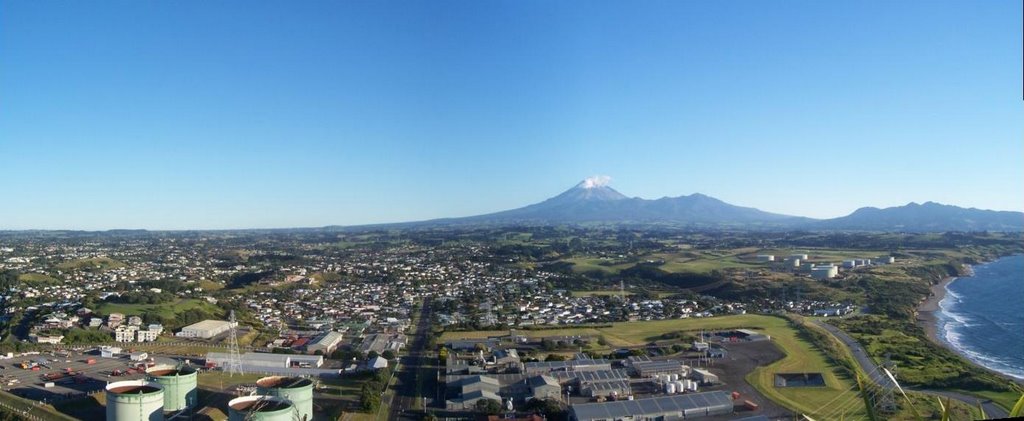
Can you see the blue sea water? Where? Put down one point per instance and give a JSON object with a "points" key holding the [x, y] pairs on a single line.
{"points": [[982, 316]]}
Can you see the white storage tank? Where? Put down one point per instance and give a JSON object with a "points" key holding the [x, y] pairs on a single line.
{"points": [[261, 408], [135, 400], [680, 387], [670, 388], [673, 377]]}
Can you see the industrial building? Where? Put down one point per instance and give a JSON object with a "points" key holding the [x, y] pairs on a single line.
{"points": [[614, 388], [691, 405], [542, 367], [544, 387], [377, 363], [205, 329], [765, 258], [325, 343], [654, 368], [257, 360], [468, 400], [380, 342], [703, 376], [109, 351], [297, 390], [180, 386], [135, 400]]}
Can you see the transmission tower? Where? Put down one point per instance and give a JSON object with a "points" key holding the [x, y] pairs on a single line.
{"points": [[887, 399], [234, 365]]}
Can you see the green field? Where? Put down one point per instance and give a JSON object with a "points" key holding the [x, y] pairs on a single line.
{"points": [[801, 356], [707, 260], [168, 309], [38, 279], [678, 262], [613, 293], [218, 380], [591, 264], [818, 254], [598, 293], [93, 264]]}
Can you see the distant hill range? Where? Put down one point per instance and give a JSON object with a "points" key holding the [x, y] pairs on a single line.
{"points": [[593, 201], [929, 216]]}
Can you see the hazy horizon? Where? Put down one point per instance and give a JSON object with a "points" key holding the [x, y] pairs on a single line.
{"points": [[609, 182], [230, 115]]}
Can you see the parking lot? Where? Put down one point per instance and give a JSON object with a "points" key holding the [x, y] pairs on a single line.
{"points": [[94, 377]]}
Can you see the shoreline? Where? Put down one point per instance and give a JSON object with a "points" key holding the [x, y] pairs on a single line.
{"points": [[927, 313], [927, 318]]}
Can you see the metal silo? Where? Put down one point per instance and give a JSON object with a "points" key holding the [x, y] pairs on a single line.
{"points": [[261, 408], [179, 386], [135, 400], [298, 390]]}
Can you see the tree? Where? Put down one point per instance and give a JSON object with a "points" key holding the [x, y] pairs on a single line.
{"points": [[369, 398], [388, 354], [372, 354], [554, 357], [488, 406], [551, 409]]}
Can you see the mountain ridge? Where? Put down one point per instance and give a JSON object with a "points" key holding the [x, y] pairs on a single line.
{"points": [[593, 201]]}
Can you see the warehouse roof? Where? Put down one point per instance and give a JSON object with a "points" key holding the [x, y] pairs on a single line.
{"points": [[328, 339], [249, 357], [556, 365], [542, 380], [481, 394], [590, 376], [208, 325], [652, 406], [609, 386], [667, 365]]}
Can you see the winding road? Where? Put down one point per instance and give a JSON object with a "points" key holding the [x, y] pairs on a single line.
{"points": [[878, 377]]}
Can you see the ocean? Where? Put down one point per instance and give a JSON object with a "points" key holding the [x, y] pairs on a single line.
{"points": [[982, 316]]}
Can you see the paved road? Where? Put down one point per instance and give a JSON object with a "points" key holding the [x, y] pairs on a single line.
{"points": [[878, 377], [405, 387]]}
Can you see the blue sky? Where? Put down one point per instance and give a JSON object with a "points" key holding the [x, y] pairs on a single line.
{"points": [[232, 114]]}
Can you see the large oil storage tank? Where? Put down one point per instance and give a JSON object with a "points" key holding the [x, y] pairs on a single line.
{"points": [[179, 385], [298, 390], [135, 400], [261, 408]]}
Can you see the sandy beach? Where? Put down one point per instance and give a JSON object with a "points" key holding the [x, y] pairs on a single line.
{"points": [[927, 316]]}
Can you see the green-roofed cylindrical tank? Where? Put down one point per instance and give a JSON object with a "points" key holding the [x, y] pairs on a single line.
{"points": [[260, 408], [298, 390], [135, 400], [179, 386]]}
